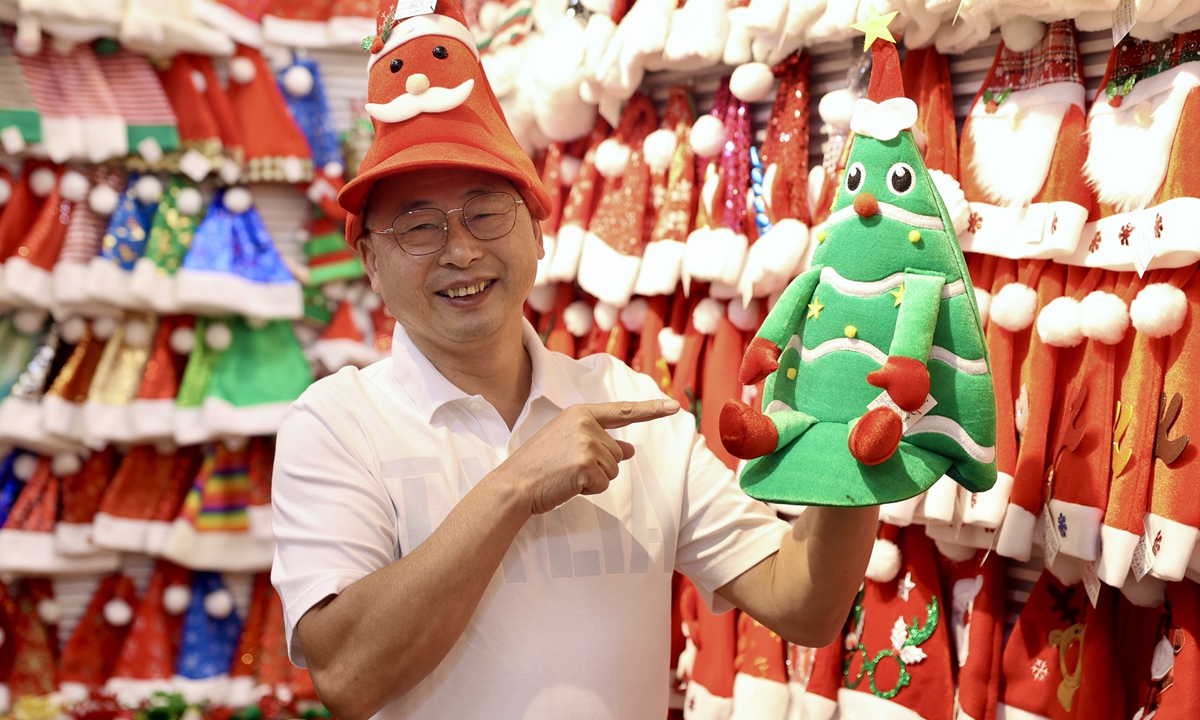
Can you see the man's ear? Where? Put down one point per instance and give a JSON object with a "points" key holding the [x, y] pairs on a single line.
{"points": [[366, 249]]}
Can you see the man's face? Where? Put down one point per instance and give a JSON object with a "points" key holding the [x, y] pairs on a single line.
{"points": [[418, 289]]}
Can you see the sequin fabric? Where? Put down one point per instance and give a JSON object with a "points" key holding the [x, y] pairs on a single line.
{"points": [[619, 219], [150, 647], [10, 488], [208, 642], [311, 113], [91, 654], [220, 493], [1141, 59], [786, 143], [125, 239], [236, 244], [677, 206], [246, 660], [33, 667], [81, 492], [581, 200], [735, 163], [75, 378], [171, 232], [32, 380], [139, 484], [119, 374], [37, 505]]}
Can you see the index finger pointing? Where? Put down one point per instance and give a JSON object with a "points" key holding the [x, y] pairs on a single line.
{"points": [[619, 414]]}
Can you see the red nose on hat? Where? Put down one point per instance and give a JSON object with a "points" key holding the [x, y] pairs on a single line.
{"points": [[886, 81]]}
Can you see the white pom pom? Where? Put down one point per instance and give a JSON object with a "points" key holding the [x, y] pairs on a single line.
{"points": [[1014, 307], [149, 189], [670, 345], [1022, 33], [633, 315], [65, 463], [333, 169], [1104, 317], [744, 317], [1149, 592], [370, 300], [1158, 310], [218, 603], [176, 599], [242, 70], [103, 200], [238, 200], [189, 201], [707, 315], [49, 612], [954, 551], [29, 321], [42, 181], [218, 336], [659, 148], [335, 290], [5, 191], [1058, 323], [71, 330], [298, 81], [612, 157], [578, 318], [885, 561], [752, 82], [605, 315], [983, 299], [73, 186], [707, 136], [137, 334], [836, 108], [541, 298], [104, 327], [199, 81], [24, 466], [568, 170], [117, 612]]}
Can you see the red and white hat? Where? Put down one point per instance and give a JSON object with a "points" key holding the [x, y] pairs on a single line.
{"points": [[34, 639], [297, 23], [91, 654], [275, 148], [344, 341], [146, 663], [350, 21], [81, 493], [28, 267], [152, 409], [145, 494], [581, 202], [432, 107]]}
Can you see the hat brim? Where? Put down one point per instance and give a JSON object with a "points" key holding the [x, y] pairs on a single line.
{"points": [[435, 156]]}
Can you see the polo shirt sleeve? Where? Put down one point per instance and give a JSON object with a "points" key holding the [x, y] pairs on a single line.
{"points": [[334, 522], [723, 532]]}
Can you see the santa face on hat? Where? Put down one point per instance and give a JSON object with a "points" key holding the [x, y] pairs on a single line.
{"points": [[420, 77], [469, 290]]}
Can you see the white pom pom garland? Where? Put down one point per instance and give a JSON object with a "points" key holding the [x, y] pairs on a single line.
{"points": [[1104, 317], [1058, 323], [1014, 307], [1158, 310]]}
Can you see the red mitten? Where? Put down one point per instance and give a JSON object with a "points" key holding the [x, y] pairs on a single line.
{"points": [[906, 381], [761, 359]]}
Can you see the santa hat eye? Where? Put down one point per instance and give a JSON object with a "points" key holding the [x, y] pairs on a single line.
{"points": [[396, 65], [441, 53]]}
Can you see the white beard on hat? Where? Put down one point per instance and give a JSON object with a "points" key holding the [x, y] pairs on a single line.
{"points": [[1010, 161], [409, 105]]}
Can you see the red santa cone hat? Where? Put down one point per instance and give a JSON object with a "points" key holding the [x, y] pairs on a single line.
{"points": [[148, 483], [228, 125], [81, 494], [383, 322], [185, 85], [673, 169], [7, 644], [27, 271], [91, 654], [551, 164], [34, 626], [649, 358], [146, 663], [244, 688], [152, 410], [275, 670], [577, 212], [612, 248], [435, 109], [240, 19], [260, 462], [760, 685], [275, 148]]}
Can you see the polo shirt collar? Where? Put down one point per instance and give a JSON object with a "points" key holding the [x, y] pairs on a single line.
{"points": [[430, 390]]}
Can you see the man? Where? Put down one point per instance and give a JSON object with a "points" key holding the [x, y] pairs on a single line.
{"points": [[477, 527]]}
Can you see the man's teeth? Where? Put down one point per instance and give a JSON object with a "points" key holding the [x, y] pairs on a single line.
{"points": [[464, 291]]}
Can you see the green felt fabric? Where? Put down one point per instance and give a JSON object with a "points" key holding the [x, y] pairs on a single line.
{"points": [[167, 136], [925, 310], [262, 365], [27, 121], [198, 371]]}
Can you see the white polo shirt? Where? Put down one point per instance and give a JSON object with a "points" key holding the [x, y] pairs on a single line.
{"points": [[576, 621]]}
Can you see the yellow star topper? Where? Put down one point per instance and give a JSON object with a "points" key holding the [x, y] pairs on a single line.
{"points": [[876, 27]]}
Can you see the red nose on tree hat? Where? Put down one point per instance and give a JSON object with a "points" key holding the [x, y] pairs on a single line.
{"points": [[433, 108]]}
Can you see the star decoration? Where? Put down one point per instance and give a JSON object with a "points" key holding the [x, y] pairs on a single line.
{"points": [[898, 293], [1040, 670], [875, 27], [906, 586], [1062, 605], [814, 309]]}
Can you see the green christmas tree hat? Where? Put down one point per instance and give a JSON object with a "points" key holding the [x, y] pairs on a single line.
{"points": [[877, 376]]}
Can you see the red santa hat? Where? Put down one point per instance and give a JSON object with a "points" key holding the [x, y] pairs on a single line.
{"points": [[28, 267], [577, 212], [275, 148], [432, 107], [146, 663], [648, 359], [33, 621], [150, 482], [81, 493], [1028, 203], [91, 653], [244, 688], [344, 341], [152, 410], [297, 23], [708, 664], [185, 85], [350, 21], [550, 164], [36, 190], [612, 248]]}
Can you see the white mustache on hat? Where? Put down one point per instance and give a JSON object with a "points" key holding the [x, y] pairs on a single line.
{"points": [[420, 98]]}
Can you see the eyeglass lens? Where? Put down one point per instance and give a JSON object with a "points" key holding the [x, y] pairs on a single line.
{"points": [[487, 217]]}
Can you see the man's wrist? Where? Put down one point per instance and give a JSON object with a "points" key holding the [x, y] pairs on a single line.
{"points": [[508, 494]]}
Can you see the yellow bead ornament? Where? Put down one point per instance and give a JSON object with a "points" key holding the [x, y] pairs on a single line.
{"points": [[914, 236], [820, 236], [851, 331]]}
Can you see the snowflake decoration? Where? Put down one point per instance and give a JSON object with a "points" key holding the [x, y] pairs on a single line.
{"points": [[1062, 524], [1040, 670], [974, 222], [909, 654], [906, 586], [1126, 233], [1095, 244]]}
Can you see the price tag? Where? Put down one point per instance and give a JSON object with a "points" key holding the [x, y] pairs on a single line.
{"points": [[1050, 539], [1033, 225], [1142, 243], [909, 418], [1143, 554], [1123, 17], [12, 140], [195, 165], [150, 150], [412, 8], [1091, 582]]}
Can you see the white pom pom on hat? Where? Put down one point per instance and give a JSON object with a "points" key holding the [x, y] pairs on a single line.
{"points": [[707, 136], [670, 345], [29, 321], [1014, 307], [836, 109], [1058, 323], [238, 200], [104, 327], [42, 181], [605, 315], [578, 318], [706, 318], [612, 157], [72, 329], [218, 603], [1158, 310], [744, 317], [199, 81], [568, 170], [298, 81], [149, 189], [117, 612], [24, 466], [189, 201], [73, 186], [64, 464], [633, 315], [659, 148], [103, 200], [884, 564], [176, 599], [137, 334], [752, 82], [218, 336], [1104, 317], [242, 70], [49, 612]]}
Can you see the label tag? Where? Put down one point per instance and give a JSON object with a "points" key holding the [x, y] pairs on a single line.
{"points": [[909, 418], [1033, 225], [195, 165], [1091, 582], [1142, 243], [150, 150], [412, 8], [1050, 540], [12, 140], [230, 171], [1123, 18], [1143, 554]]}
